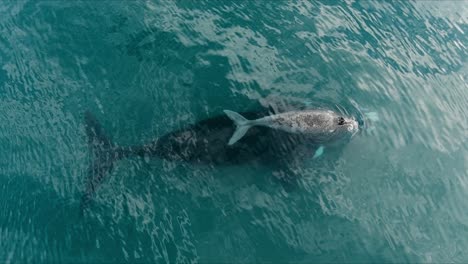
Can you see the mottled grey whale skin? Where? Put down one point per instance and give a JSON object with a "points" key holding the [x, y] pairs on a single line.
{"points": [[205, 142], [322, 125]]}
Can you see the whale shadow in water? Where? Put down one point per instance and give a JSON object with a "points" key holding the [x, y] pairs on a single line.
{"points": [[205, 142]]}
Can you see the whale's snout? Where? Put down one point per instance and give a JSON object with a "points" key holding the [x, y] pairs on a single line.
{"points": [[352, 125]]}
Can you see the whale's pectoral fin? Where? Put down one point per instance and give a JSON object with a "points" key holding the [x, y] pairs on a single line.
{"points": [[103, 156], [319, 152], [242, 126]]}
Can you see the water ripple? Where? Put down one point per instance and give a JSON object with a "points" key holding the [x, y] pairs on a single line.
{"points": [[396, 193]]}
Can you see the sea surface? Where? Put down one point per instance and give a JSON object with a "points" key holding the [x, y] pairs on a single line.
{"points": [[396, 192]]}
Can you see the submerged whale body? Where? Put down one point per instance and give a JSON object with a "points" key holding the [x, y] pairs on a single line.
{"points": [[208, 141]]}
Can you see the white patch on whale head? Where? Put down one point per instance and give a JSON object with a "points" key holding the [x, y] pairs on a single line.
{"points": [[352, 126]]}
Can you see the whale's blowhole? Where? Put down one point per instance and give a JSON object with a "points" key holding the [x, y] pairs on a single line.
{"points": [[341, 121]]}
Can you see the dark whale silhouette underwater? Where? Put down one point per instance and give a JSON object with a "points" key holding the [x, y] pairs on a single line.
{"points": [[211, 141]]}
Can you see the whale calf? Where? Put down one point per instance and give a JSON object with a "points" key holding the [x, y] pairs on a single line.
{"points": [[323, 125], [229, 139]]}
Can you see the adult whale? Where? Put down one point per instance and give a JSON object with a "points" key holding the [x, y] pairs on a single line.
{"points": [[257, 137]]}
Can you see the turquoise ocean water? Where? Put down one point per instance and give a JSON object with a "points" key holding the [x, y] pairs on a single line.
{"points": [[397, 192]]}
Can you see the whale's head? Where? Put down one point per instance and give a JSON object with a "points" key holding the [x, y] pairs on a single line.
{"points": [[329, 126], [346, 125]]}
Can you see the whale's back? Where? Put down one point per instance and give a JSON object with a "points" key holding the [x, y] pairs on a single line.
{"points": [[207, 142]]}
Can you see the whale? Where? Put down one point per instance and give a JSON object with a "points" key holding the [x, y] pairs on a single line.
{"points": [[229, 139], [319, 124]]}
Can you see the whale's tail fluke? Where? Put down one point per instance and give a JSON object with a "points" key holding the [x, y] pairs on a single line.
{"points": [[103, 155], [242, 125]]}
